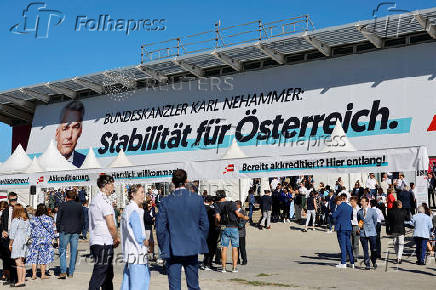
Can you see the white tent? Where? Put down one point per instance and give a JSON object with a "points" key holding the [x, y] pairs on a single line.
{"points": [[52, 160], [234, 151], [121, 160], [34, 167], [340, 142], [235, 188], [17, 162], [90, 160]]}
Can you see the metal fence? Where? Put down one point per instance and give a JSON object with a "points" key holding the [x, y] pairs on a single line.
{"points": [[221, 37]]}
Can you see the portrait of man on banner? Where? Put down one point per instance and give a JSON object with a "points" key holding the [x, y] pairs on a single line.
{"points": [[69, 131]]}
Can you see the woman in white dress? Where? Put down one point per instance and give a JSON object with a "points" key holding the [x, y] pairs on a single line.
{"points": [[18, 235], [134, 241]]}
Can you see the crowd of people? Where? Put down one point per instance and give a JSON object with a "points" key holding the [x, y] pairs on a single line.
{"points": [[188, 224], [356, 215]]}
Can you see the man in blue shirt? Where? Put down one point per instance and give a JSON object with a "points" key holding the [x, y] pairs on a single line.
{"points": [[423, 226]]}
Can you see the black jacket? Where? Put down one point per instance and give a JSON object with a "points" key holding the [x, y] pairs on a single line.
{"points": [[70, 218], [4, 226], [405, 196], [4, 220], [395, 221], [266, 203], [148, 218]]}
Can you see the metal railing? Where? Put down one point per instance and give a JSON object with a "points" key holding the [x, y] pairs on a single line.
{"points": [[221, 37]]}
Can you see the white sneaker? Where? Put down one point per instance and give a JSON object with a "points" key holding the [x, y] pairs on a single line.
{"points": [[313, 229], [341, 266], [206, 268], [235, 270], [223, 271]]}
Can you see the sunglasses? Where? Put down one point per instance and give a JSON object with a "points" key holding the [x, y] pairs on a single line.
{"points": [[12, 200]]}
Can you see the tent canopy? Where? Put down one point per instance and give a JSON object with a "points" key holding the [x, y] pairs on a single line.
{"points": [[387, 160], [17, 162]]}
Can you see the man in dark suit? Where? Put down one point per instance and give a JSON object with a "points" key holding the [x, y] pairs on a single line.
{"points": [[69, 132], [182, 227], [405, 196], [343, 216], [69, 224], [6, 219]]}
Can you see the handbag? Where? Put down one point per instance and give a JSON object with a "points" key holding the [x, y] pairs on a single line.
{"points": [[54, 243]]}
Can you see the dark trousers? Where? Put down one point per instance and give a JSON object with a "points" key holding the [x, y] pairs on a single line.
{"points": [[8, 263], [421, 249], [378, 240], [242, 251], [250, 212], [431, 195], [330, 221], [190, 264], [212, 246], [275, 212], [103, 271], [372, 246], [344, 239], [287, 210]]}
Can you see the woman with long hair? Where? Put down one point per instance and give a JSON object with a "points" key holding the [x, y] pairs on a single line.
{"points": [[41, 250], [134, 242], [18, 236]]}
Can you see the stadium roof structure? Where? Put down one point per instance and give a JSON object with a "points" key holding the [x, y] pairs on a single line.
{"points": [[295, 42]]}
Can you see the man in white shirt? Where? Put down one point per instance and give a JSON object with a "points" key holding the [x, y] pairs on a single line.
{"points": [[103, 235], [354, 200], [385, 183], [274, 184], [400, 183], [371, 184]]}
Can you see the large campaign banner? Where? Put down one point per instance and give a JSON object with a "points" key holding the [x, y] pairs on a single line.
{"points": [[383, 99]]}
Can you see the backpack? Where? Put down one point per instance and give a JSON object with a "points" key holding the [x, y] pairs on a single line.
{"points": [[225, 213]]}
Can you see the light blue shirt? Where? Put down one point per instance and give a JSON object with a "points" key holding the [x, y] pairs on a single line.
{"points": [[135, 224], [423, 225]]}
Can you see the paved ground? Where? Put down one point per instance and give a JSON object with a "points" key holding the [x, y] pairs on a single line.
{"points": [[279, 258]]}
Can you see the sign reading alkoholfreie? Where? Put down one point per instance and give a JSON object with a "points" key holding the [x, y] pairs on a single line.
{"points": [[384, 99]]}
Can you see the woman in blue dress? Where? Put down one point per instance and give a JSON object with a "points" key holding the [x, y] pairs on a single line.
{"points": [[41, 250]]}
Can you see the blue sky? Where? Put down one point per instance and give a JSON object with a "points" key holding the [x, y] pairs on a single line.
{"points": [[65, 53]]}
